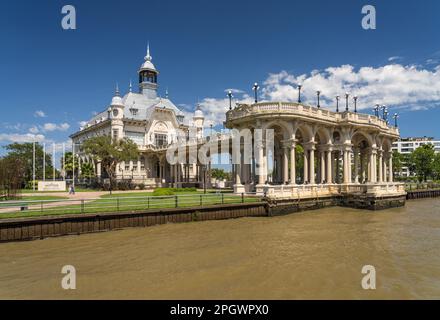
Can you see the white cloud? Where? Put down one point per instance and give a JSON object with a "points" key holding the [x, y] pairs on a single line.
{"points": [[34, 130], [394, 58], [396, 85], [15, 137], [48, 127], [40, 114]]}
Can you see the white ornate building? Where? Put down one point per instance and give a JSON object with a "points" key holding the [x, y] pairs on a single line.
{"points": [[152, 122]]}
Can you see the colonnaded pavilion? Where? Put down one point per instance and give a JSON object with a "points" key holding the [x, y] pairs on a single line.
{"points": [[340, 152]]}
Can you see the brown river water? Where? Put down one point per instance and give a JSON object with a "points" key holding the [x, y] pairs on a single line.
{"points": [[315, 254]]}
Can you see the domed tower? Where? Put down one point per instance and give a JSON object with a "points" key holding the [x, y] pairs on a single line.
{"points": [[148, 77], [116, 113], [199, 120]]}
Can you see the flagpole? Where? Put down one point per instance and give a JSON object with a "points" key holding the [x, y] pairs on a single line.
{"points": [[53, 160], [33, 166], [73, 164], [64, 161], [44, 161]]}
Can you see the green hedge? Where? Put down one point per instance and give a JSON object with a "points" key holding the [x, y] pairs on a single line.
{"points": [[171, 191]]}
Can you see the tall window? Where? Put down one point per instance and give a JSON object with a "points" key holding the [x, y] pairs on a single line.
{"points": [[115, 134], [160, 140]]}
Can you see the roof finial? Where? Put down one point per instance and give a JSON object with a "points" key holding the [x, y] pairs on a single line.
{"points": [[117, 90], [130, 86], [166, 93], [148, 57]]}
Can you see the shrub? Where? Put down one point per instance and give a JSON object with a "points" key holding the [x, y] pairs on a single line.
{"points": [[163, 192], [141, 186]]}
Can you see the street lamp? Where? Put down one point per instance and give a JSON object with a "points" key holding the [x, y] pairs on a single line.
{"points": [[230, 96], [255, 88], [376, 110], [395, 119], [355, 98], [337, 103], [299, 93], [385, 115], [318, 93], [384, 108], [346, 101]]}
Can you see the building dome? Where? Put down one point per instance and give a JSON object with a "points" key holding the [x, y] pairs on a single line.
{"points": [[148, 65], [117, 100], [198, 114]]}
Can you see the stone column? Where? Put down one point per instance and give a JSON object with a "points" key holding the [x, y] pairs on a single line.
{"points": [[306, 165], [292, 164], [337, 167], [356, 164], [390, 165], [286, 165], [329, 166], [346, 171], [261, 179], [312, 165], [98, 169], [380, 166], [322, 163], [237, 174]]}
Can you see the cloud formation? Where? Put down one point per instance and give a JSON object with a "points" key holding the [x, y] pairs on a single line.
{"points": [[20, 138], [48, 127], [40, 114], [395, 85]]}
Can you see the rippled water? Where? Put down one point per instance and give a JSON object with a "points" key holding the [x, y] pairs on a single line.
{"points": [[315, 254]]}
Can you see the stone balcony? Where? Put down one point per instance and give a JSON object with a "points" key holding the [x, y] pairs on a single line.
{"points": [[308, 113]]}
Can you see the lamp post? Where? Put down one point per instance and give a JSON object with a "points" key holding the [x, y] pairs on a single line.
{"points": [[255, 88], [395, 119], [376, 110], [337, 103], [211, 129], [346, 101], [230, 99], [355, 98], [318, 93], [385, 115], [299, 93], [384, 108]]}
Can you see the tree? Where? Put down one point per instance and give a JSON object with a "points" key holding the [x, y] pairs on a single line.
{"points": [[436, 166], [397, 161], [87, 170], [24, 152], [111, 152], [220, 174], [422, 158], [11, 176]]}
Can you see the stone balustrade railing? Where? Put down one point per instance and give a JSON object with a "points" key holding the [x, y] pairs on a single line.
{"points": [[323, 190], [290, 108]]}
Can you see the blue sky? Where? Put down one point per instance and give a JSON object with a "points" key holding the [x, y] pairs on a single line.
{"points": [[202, 48]]}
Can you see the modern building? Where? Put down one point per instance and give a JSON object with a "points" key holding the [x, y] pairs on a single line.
{"points": [[152, 122], [407, 145]]}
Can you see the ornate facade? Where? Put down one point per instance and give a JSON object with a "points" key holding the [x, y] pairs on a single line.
{"points": [[152, 122]]}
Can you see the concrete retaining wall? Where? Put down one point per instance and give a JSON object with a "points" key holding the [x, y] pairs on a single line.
{"points": [[420, 194], [50, 226]]}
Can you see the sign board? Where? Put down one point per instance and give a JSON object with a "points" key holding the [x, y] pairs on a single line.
{"points": [[51, 185]]}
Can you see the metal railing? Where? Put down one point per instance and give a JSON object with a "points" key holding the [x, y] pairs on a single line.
{"points": [[20, 208]]}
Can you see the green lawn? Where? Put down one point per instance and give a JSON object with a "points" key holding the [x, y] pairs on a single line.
{"points": [[132, 202]]}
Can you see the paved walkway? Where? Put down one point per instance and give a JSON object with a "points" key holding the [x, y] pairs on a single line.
{"points": [[65, 202]]}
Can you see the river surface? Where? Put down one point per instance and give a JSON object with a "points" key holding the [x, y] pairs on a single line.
{"points": [[315, 254]]}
